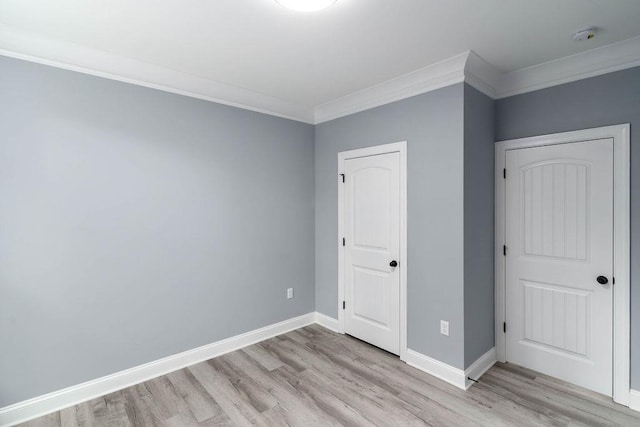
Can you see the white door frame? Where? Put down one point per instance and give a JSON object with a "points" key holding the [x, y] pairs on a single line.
{"points": [[621, 241], [396, 147]]}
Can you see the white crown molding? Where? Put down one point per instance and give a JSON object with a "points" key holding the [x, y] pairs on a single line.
{"points": [[482, 75], [99, 63], [51, 402], [468, 67], [595, 62], [472, 69], [438, 75]]}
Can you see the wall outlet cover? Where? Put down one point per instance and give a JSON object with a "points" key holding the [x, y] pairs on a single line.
{"points": [[444, 328]]}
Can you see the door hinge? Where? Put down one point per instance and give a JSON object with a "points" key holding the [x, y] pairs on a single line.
{"points": [[344, 242], [613, 280], [504, 173], [344, 305], [504, 250], [342, 175], [504, 327]]}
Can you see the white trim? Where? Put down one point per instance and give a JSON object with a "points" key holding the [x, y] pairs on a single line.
{"points": [[622, 263], [51, 402], [467, 67], [472, 69], [448, 373], [479, 367], [621, 249], [99, 63], [594, 62], [482, 75], [436, 76], [500, 265], [399, 147], [327, 322], [437, 369], [634, 400]]}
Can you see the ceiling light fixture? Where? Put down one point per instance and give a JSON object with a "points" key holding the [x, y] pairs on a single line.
{"points": [[305, 5]]}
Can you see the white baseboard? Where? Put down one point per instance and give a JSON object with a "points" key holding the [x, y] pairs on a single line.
{"points": [[52, 402], [437, 368], [328, 322], [634, 400], [448, 373], [480, 366]]}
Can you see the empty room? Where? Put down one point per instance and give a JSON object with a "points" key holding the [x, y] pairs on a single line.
{"points": [[319, 213]]}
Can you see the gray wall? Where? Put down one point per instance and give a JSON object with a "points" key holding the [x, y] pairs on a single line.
{"points": [[136, 224], [432, 125], [129, 217], [599, 101], [479, 120]]}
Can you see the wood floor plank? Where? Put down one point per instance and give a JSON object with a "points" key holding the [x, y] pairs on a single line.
{"points": [[323, 399], [84, 415], [294, 404], [240, 412], [581, 410], [111, 411], [165, 393], [288, 357], [137, 411], [365, 401], [201, 404], [347, 369], [68, 417], [296, 336], [249, 390], [273, 417], [481, 409], [315, 332], [182, 419], [263, 357], [540, 412], [316, 377], [50, 420]]}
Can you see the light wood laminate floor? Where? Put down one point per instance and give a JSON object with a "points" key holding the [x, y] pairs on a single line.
{"points": [[315, 377]]}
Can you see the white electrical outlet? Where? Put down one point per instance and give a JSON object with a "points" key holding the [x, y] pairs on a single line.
{"points": [[444, 328], [289, 293]]}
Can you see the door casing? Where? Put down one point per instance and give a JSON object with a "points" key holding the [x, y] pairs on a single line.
{"points": [[396, 147], [621, 241]]}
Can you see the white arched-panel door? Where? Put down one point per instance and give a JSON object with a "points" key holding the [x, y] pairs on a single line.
{"points": [[372, 234], [559, 265], [372, 249]]}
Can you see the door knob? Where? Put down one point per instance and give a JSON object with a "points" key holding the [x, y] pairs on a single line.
{"points": [[602, 280], [393, 263]]}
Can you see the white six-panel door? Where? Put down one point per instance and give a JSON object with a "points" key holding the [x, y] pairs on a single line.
{"points": [[372, 244], [559, 235]]}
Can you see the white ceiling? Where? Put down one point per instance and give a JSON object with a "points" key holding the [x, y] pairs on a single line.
{"points": [[310, 59]]}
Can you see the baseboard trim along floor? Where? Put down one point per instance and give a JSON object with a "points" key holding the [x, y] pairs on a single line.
{"points": [[328, 322], [450, 374], [55, 401], [479, 367], [634, 400]]}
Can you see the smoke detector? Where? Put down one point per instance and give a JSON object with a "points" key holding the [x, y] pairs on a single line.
{"points": [[584, 34]]}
